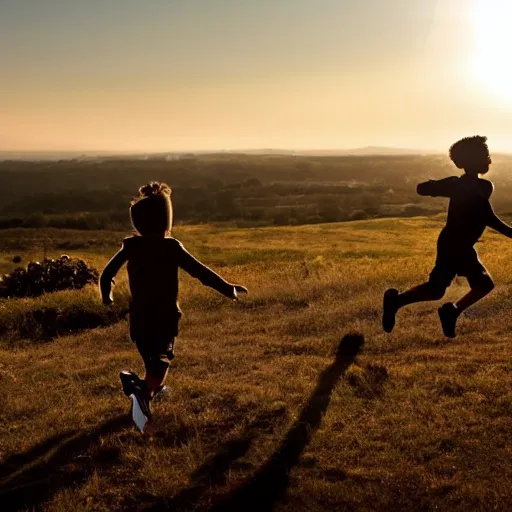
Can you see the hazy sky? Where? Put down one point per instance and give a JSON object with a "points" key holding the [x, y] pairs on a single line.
{"points": [[142, 75]]}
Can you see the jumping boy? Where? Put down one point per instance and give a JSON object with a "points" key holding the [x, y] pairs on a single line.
{"points": [[153, 262], [469, 212]]}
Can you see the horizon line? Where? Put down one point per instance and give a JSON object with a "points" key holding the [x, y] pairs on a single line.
{"points": [[386, 150]]}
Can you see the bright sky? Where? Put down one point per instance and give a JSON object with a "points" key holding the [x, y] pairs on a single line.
{"points": [[171, 75]]}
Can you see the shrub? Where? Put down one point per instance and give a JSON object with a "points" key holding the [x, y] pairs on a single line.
{"points": [[51, 275]]}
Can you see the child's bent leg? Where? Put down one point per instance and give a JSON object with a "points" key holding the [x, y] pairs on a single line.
{"points": [[478, 291], [481, 285], [154, 379], [393, 301], [157, 367], [421, 293]]}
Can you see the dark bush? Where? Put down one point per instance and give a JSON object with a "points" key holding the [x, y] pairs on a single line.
{"points": [[51, 275]]}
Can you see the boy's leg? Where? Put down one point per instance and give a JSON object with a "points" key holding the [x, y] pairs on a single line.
{"points": [[421, 293], [481, 284], [440, 278], [475, 294], [393, 300]]}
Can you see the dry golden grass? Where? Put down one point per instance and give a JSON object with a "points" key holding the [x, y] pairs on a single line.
{"points": [[262, 415]]}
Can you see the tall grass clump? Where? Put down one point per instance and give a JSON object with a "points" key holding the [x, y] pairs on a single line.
{"points": [[56, 314]]}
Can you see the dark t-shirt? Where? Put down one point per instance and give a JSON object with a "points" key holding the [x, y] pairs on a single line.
{"points": [[153, 264], [469, 210]]}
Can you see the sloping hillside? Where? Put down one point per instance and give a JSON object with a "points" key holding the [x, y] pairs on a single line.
{"points": [[262, 411]]}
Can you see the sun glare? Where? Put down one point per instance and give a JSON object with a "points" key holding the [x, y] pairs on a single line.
{"points": [[491, 64]]}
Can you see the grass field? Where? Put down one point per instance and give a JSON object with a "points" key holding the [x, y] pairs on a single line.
{"points": [[263, 413]]}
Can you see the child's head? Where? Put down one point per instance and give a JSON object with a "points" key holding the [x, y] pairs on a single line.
{"points": [[471, 154], [151, 212]]}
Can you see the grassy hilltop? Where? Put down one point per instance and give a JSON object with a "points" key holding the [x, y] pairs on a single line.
{"points": [[262, 412]]}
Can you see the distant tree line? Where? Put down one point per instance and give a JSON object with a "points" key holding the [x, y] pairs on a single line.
{"points": [[247, 190]]}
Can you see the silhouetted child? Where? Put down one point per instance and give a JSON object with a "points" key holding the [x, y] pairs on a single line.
{"points": [[469, 212], [153, 261]]}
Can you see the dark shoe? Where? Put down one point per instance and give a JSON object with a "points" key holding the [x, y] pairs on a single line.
{"points": [[389, 309], [448, 315], [133, 385], [129, 381], [135, 388]]}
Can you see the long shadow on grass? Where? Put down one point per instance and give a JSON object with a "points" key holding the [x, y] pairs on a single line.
{"points": [[270, 482], [213, 472], [31, 478]]}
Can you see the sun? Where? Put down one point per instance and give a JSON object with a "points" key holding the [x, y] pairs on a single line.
{"points": [[490, 61]]}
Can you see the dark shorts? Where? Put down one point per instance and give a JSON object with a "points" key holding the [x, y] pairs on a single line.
{"points": [[154, 337], [457, 262], [156, 353]]}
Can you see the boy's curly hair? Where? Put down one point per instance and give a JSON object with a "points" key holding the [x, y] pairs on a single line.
{"points": [[468, 150], [151, 211]]}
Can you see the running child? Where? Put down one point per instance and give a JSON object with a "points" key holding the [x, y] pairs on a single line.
{"points": [[153, 259], [469, 213]]}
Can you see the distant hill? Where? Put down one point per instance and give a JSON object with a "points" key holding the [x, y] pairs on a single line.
{"points": [[364, 151], [383, 150], [176, 155]]}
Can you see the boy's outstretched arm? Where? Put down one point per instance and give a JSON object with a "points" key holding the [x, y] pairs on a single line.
{"points": [[437, 188], [494, 222], [207, 276], [109, 272]]}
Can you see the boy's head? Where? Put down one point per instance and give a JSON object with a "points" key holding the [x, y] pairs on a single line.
{"points": [[471, 154], [151, 212]]}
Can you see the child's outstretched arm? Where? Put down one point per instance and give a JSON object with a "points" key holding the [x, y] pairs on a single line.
{"points": [[207, 276], [108, 274], [437, 188], [494, 222]]}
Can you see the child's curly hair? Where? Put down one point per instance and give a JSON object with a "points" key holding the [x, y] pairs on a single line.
{"points": [[151, 211], [469, 150]]}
